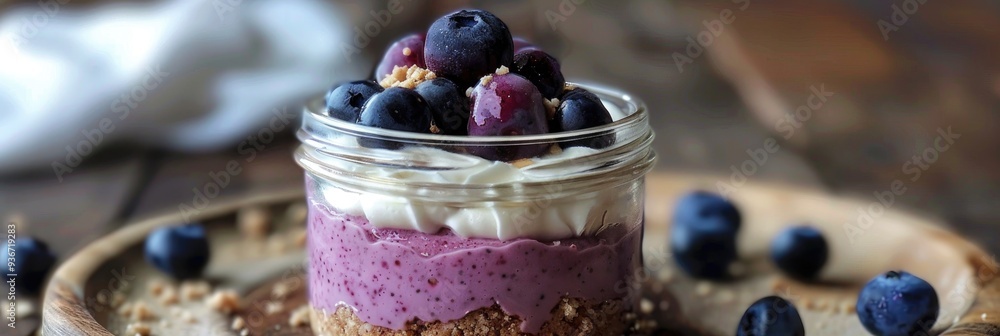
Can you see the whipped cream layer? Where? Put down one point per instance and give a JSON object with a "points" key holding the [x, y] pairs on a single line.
{"points": [[547, 219]]}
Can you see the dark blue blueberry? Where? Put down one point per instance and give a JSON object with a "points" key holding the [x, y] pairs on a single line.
{"points": [[705, 249], [771, 316], [32, 262], [398, 109], [180, 251], [344, 101], [541, 69], [448, 103], [801, 252], [580, 109], [466, 45], [699, 205], [898, 304]]}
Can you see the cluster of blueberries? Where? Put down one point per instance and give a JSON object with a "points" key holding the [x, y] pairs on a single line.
{"points": [[461, 49], [703, 243]]}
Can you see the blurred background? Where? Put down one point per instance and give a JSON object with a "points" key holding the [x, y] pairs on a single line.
{"points": [[118, 110]]}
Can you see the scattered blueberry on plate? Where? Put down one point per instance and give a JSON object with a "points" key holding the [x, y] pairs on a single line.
{"points": [[705, 249], [800, 251], [405, 52], [32, 262], [771, 316], [180, 251], [703, 235], [466, 45], [580, 109], [698, 205], [898, 303], [345, 101]]}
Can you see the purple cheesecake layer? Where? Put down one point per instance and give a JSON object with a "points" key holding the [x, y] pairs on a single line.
{"points": [[390, 277]]}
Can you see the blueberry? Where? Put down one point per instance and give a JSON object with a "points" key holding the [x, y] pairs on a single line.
{"points": [[699, 205], [771, 316], [507, 105], [520, 44], [898, 304], [541, 69], [180, 251], [580, 109], [405, 52], [398, 109], [800, 252], [466, 45], [704, 249], [32, 262], [344, 101], [448, 103]]}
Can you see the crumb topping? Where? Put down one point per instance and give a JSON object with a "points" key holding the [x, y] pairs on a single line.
{"points": [[224, 301], [521, 163], [155, 287], [485, 80], [238, 323], [141, 312], [555, 149], [551, 105], [407, 77], [254, 222], [468, 92], [300, 237], [168, 296], [125, 309], [299, 317], [194, 290], [502, 70], [138, 329], [273, 307], [407, 51]]}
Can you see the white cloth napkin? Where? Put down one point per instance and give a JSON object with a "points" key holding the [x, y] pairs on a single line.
{"points": [[186, 75]]}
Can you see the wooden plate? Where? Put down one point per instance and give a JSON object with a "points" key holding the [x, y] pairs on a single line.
{"points": [[268, 272]]}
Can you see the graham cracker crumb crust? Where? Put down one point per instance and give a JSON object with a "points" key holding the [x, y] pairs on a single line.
{"points": [[571, 316]]}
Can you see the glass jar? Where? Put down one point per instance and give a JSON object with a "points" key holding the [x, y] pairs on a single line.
{"points": [[426, 234]]}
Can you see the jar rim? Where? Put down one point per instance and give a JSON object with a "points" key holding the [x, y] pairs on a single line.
{"points": [[330, 148], [635, 113]]}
